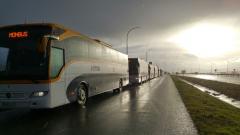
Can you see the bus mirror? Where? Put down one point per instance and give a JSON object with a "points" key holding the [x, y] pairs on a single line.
{"points": [[53, 37], [42, 45]]}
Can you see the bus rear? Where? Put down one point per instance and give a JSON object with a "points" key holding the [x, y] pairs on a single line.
{"points": [[24, 66]]}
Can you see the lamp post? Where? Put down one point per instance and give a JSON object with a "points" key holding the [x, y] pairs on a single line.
{"points": [[133, 28], [227, 61], [227, 66], [212, 66], [146, 55]]}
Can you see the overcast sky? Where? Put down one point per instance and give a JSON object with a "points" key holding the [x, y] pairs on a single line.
{"points": [[109, 20]]}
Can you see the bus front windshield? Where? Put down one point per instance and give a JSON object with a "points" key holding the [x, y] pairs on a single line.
{"points": [[21, 60]]}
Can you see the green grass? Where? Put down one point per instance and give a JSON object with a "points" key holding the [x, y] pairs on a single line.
{"points": [[231, 90], [210, 115]]}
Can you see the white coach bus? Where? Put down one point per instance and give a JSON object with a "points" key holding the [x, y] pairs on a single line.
{"points": [[151, 71], [47, 65], [138, 70]]}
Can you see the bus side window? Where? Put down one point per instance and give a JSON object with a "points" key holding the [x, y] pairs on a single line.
{"points": [[56, 62], [109, 54], [77, 48], [3, 58], [104, 53]]}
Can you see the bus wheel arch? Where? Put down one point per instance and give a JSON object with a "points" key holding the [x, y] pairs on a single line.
{"points": [[72, 90], [120, 86]]}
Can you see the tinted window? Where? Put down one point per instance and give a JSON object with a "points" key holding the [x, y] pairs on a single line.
{"points": [[114, 55], [23, 33], [3, 58], [56, 62], [77, 47], [95, 50], [21, 60], [106, 54]]}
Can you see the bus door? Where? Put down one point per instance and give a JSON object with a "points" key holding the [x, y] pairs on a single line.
{"points": [[58, 88]]}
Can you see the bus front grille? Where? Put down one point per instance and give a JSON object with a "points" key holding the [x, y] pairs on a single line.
{"points": [[12, 95]]}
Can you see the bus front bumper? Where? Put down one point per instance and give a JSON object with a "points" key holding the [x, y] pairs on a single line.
{"points": [[33, 103]]}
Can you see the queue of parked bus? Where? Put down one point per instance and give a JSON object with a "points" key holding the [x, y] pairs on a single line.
{"points": [[48, 65], [141, 71]]}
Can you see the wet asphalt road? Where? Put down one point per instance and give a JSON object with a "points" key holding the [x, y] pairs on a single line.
{"points": [[154, 108]]}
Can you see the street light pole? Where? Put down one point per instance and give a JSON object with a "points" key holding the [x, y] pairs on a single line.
{"points": [[133, 28], [211, 68], [146, 55], [227, 66]]}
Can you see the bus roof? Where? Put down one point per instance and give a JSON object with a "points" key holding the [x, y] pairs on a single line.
{"points": [[65, 32], [62, 31]]}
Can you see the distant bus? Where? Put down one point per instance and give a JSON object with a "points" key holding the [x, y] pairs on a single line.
{"points": [[159, 72], [47, 65], [151, 71], [156, 70], [138, 70]]}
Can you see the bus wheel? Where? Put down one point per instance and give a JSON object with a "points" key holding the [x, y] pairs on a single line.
{"points": [[81, 95], [120, 85], [119, 89]]}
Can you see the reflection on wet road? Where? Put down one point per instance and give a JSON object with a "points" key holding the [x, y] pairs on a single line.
{"points": [[154, 108]]}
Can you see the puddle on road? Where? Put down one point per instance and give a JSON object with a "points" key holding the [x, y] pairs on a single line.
{"points": [[216, 94]]}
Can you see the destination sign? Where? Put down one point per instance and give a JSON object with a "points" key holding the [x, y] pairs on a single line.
{"points": [[23, 34]]}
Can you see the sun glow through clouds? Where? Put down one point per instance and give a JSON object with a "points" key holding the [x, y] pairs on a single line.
{"points": [[206, 39]]}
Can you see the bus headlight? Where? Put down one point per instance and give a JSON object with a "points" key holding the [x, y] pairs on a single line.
{"points": [[39, 93]]}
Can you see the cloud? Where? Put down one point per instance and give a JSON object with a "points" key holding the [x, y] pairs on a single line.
{"points": [[109, 20]]}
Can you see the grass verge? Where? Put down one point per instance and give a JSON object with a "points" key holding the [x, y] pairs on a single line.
{"points": [[210, 115], [229, 89]]}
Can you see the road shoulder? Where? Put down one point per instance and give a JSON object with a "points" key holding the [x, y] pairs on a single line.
{"points": [[210, 115]]}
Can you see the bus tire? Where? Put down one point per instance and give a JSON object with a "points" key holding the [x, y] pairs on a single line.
{"points": [[82, 95], [120, 85], [119, 89]]}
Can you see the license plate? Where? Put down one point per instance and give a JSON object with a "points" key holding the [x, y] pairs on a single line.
{"points": [[8, 104]]}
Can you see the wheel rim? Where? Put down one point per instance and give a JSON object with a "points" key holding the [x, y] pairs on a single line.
{"points": [[81, 94]]}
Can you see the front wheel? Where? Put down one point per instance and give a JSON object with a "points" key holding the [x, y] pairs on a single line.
{"points": [[81, 95]]}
